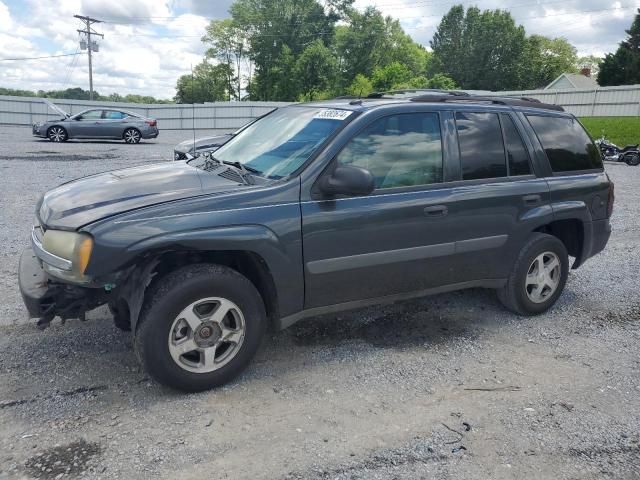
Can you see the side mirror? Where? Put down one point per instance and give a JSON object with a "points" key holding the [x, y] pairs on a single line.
{"points": [[347, 180]]}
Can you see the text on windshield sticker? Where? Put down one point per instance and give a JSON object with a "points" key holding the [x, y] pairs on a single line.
{"points": [[332, 114]]}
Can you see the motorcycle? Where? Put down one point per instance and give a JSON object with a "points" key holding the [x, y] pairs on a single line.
{"points": [[629, 154]]}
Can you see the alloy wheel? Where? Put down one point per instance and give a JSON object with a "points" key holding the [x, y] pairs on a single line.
{"points": [[206, 335], [131, 136], [543, 277], [57, 134]]}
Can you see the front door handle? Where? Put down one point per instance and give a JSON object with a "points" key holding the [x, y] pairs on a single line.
{"points": [[436, 211], [532, 200]]}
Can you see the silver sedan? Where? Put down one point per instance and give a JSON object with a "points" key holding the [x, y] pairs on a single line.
{"points": [[98, 123]]}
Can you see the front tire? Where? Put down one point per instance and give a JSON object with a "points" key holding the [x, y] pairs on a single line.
{"points": [[132, 135], [199, 327], [538, 276], [57, 134]]}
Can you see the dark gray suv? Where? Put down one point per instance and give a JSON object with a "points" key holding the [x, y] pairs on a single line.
{"points": [[317, 208]]}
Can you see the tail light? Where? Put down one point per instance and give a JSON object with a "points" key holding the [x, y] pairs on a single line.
{"points": [[153, 123], [611, 198]]}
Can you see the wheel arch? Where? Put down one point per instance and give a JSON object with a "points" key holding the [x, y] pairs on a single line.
{"points": [[571, 232], [151, 268]]}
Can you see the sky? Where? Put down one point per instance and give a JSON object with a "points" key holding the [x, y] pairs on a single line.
{"points": [[148, 44]]}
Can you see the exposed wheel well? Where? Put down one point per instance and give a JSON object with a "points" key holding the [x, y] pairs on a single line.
{"points": [[249, 264], [571, 233]]}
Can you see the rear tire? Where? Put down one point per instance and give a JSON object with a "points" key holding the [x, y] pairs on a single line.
{"points": [[632, 160], [535, 282], [132, 135], [199, 327]]}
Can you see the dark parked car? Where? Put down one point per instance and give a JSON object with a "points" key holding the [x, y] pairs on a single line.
{"points": [[204, 145], [318, 208], [97, 123], [197, 147]]}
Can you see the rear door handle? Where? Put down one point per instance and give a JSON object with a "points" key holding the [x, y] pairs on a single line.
{"points": [[436, 211], [532, 200]]}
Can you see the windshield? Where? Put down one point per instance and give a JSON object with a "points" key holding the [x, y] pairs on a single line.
{"points": [[279, 143]]}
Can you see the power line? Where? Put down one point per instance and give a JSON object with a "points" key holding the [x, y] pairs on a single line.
{"points": [[37, 58], [70, 70]]}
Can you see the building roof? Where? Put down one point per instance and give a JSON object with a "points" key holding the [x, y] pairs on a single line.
{"points": [[578, 81]]}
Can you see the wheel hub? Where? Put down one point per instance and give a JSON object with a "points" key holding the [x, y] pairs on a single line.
{"points": [[207, 334]]}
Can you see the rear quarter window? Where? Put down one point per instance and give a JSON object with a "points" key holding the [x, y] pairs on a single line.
{"points": [[567, 145]]}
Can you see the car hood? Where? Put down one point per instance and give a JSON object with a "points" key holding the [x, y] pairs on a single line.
{"points": [[86, 200], [56, 108], [187, 145]]}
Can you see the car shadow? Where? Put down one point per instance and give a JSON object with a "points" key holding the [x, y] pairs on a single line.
{"points": [[97, 142], [94, 358]]}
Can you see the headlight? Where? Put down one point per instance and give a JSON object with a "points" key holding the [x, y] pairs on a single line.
{"points": [[73, 246]]}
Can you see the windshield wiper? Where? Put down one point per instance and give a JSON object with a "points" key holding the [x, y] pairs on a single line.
{"points": [[243, 167]]}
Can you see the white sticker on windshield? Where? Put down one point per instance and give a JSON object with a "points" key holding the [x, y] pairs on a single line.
{"points": [[333, 114]]}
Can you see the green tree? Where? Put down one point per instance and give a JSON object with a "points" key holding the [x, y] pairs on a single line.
{"points": [[315, 70], [442, 82], [228, 43], [208, 83], [483, 50], [280, 30], [393, 75], [547, 58], [360, 87], [369, 40], [623, 66]]}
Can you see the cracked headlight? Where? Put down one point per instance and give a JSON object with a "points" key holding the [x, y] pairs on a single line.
{"points": [[71, 246]]}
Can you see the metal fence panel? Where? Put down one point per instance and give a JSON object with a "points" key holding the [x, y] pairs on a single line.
{"points": [[605, 101], [216, 115], [619, 101]]}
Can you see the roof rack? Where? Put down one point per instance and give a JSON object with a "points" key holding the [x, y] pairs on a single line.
{"points": [[417, 92], [511, 101]]}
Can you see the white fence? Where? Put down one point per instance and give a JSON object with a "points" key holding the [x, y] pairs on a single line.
{"points": [[605, 102], [621, 101], [209, 116]]}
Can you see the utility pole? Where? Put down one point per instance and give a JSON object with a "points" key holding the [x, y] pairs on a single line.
{"points": [[88, 31]]}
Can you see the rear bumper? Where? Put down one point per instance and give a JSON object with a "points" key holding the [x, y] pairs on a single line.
{"points": [[596, 236], [151, 133], [600, 233]]}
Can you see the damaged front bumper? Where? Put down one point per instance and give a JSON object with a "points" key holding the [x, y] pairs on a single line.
{"points": [[45, 298]]}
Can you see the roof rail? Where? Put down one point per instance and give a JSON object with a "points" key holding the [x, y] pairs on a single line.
{"points": [[418, 92], [511, 101]]}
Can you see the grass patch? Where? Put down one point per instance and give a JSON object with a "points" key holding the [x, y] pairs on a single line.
{"points": [[619, 130]]}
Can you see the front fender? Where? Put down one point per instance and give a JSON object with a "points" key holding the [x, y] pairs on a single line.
{"points": [[282, 254]]}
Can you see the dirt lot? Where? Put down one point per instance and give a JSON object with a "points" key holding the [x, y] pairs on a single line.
{"points": [[445, 387]]}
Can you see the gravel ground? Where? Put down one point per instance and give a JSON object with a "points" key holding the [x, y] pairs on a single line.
{"points": [[445, 387]]}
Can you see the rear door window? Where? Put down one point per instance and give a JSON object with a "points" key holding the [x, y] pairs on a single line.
{"points": [[481, 145], [567, 145], [112, 115], [517, 155]]}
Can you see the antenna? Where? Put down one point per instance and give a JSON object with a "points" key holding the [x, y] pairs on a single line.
{"points": [[193, 111]]}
